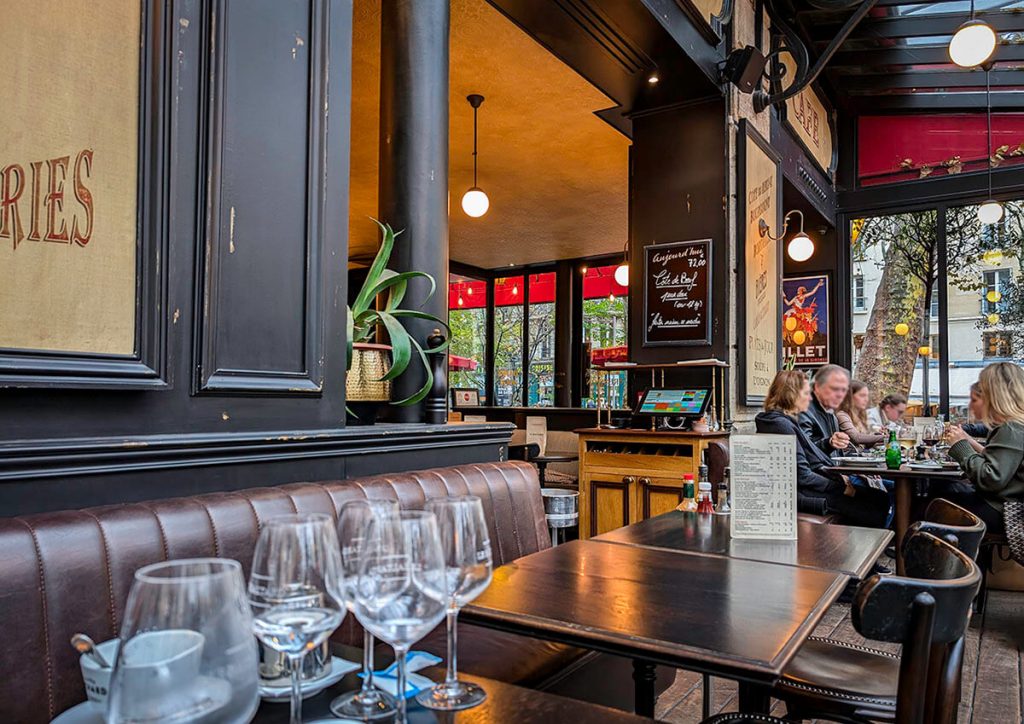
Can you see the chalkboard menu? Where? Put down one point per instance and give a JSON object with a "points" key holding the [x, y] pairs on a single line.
{"points": [[677, 293]]}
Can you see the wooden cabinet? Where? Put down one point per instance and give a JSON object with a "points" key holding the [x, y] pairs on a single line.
{"points": [[630, 475]]}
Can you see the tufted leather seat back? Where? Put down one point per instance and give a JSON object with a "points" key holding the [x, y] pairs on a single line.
{"points": [[71, 571]]}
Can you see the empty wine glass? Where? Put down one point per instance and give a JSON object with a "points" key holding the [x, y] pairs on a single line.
{"points": [[296, 590], [368, 702], [467, 552], [186, 652], [401, 591]]}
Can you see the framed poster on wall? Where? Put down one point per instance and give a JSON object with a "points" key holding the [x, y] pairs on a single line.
{"points": [[81, 189], [677, 293], [810, 119], [759, 189], [805, 331]]}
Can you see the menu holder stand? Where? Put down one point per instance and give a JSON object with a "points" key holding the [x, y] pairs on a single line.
{"points": [[763, 478]]}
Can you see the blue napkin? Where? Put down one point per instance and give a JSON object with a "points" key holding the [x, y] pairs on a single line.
{"points": [[415, 683]]}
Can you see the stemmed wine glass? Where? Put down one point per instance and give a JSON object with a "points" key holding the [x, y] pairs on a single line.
{"points": [[401, 592], [296, 590], [467, 551], [186, 650], [368, 702]]}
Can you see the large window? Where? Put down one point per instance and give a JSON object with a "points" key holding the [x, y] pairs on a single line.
{"points": [[508, 341], [983, 321], [541, 345], [467, 317], [604, 330]]}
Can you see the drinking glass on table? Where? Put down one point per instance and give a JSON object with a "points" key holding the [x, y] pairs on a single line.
{"points": [[186, 652], [401, 592], [296, 590], [354, 518], [467, 552]]}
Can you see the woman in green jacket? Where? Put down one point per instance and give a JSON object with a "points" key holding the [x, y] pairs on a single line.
{"points": [[997, 471]]}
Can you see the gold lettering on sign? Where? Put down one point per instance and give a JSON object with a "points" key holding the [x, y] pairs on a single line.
{"points": [[808, 117], [761, 269], [69, 157]]}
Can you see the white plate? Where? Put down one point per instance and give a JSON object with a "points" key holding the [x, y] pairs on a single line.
{"points": [[925, 466], [83, 713], [859, 462], [339, 667], [216, 692]]}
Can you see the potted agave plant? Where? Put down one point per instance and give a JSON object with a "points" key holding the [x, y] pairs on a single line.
{"points": [[372, 364]]}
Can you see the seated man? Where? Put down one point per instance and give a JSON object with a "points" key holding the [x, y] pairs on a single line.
{"points": [[818, 421]]}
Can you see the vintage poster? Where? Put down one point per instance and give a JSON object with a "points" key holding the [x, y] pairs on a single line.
{"points": [[69, 175], [807, 115], [805, 319], [761, 270]]}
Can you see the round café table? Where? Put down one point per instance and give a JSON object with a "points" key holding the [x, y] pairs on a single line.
{"points": [[542, 462]]}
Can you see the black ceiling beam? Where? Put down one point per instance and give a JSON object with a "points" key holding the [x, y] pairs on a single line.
{"points": [[904, 55], [861, 84], [930, 102], [910, 26]]}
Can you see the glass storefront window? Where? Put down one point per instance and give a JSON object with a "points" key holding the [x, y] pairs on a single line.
{"points": [[604, 330], [508, 341], [541, 350], [467, 317]]}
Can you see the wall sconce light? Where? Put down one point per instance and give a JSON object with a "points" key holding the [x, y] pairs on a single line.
{"points": [[800, 247], [622, 270]]}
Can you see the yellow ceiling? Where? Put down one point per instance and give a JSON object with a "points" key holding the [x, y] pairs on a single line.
{"points": [[555, 173]]}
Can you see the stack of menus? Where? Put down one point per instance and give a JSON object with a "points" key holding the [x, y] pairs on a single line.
{"points": [[763, 478]]}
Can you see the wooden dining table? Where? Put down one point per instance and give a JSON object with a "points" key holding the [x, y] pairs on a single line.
{"points": [[903, 482], [838, 548], [730, 617]]}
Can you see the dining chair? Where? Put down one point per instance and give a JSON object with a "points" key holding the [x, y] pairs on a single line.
{"points": [[942, 518]]}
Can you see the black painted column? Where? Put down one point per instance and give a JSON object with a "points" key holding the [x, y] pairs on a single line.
{"points": [[413, 187]]}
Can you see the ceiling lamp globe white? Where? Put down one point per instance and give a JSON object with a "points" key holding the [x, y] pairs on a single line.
{"points": [[990, 212], [622, 275], [475, 202], [801, 247], [972, 44]]}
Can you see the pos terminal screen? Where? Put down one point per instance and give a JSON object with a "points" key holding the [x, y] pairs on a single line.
{"points": [[684, 403]]}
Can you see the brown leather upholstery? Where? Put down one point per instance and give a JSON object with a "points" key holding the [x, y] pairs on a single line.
{"points": [[716, 457], [71, 571]]}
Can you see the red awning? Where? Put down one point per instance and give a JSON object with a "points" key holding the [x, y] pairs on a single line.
{"points": [[609, 354], [461, 363]]}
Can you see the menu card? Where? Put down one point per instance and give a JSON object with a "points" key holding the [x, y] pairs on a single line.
{"points": [[537, 431], [763, 477]]}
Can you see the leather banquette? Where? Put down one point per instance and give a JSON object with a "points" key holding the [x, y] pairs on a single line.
{"points": [[71, 571]]}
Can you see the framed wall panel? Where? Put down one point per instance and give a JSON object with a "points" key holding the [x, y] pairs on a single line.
{"points": [[83, 194], [263, 265]]}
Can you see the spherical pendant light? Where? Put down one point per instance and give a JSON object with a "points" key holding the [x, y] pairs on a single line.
{"points": [[990, 212], [972, 44], [622, 275], [801, 247], [475, 202]]}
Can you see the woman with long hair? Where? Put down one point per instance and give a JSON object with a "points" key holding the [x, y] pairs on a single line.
{"points": [[997, 471], [819, 490], [853, 415]]}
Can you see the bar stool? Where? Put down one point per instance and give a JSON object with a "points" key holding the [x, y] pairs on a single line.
{"points": [[936, 597]]}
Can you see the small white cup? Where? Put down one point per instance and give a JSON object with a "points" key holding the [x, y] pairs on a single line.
{"points": [[96, 678]]}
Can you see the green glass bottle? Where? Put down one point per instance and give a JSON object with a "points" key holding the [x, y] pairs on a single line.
{"points": [[893, 453]]}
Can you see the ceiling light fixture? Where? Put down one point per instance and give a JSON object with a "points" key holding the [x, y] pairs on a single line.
{"points": [[801, 246], [653, 79], [622, 270], [475, 202], [973, 42], [991, 211]]}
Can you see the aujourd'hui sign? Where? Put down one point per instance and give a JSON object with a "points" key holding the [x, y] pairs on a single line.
{"points": [[69, 126], [677, 293]]}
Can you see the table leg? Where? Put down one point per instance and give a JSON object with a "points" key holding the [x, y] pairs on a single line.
{"points": [[542, 469], [705, 698], [644, 675], [754, 698], [902, 517]]}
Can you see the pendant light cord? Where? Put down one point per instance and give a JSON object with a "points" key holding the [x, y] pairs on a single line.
{"points": [[474, 146], [988, 110]]}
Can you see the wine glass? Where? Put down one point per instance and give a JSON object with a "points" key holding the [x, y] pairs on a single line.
{"points": [[296, 590], [187, 652], [467, 551], [401, 593], [354, 518]]}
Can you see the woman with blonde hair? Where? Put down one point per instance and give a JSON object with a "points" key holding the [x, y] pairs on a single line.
{"points": [[997, 471], [820, 491], [853, 415]]}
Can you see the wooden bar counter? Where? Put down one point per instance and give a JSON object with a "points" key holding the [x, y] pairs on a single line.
{"points": [[630, 475]]}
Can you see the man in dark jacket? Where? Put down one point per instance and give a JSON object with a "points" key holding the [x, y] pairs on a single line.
{"points": [[819, 421]]}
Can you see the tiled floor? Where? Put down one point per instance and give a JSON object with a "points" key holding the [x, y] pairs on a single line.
{"points": [[993, 673]]}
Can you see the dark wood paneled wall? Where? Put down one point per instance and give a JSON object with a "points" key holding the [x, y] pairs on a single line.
{"points": [[257, 100]]}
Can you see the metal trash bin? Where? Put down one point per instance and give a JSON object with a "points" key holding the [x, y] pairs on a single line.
{"points": [[561, 508]]}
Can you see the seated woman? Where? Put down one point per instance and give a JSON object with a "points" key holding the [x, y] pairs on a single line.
{"points": [[853, 416], [997, 471], [819, 491], [890, 410], [975, 429]]}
